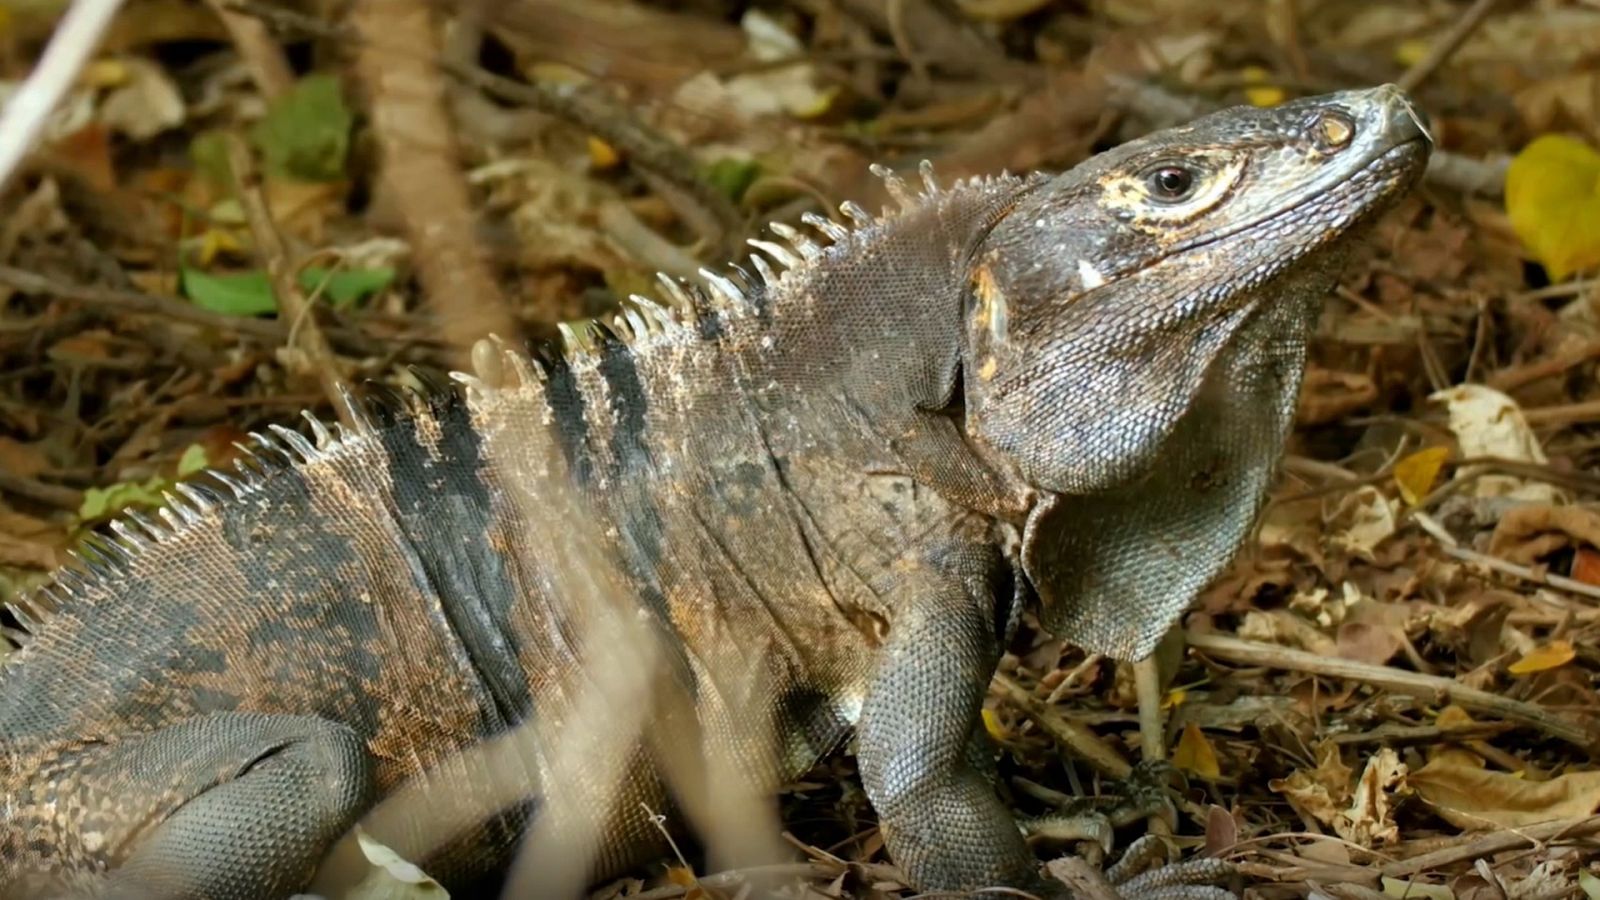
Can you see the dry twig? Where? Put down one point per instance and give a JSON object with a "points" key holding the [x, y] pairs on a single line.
{"points": [[1412, 684], [305, 334], [1446, 47]]}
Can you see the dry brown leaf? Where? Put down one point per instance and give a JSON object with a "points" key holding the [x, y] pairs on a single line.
{"points": [[20, 459], [26, 554], [1000, 10], [1363, 519], [1473, 797], [1324, 791], [1586, 566], [1369, 642], [1370, 818], [1525, 533], [1327, 395], [1554, 104]]}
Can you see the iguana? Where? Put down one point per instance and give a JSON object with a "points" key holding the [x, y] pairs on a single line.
{"points": [[826, 484]]}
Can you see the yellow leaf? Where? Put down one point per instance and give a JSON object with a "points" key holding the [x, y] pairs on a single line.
{"points": [[1195, 755], [214, 242], [1264, 96], [104, 73], [1174, 698], [602, 155], [1553, 201], [1416, 473], [1411, 52], [1545, 656], [684, 877], [1261, 93], [991, 724]]}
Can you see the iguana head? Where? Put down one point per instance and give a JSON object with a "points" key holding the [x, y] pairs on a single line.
{"points": [[1136, 334]]}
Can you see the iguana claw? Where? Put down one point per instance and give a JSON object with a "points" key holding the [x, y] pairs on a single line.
{"points": [[1132, 877], [1194, 879]]}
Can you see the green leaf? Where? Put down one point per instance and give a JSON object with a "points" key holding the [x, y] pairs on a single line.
{"points": [[193, 460], [234, 294], [209, 153], [102, 503], [250, 293], [344, 287], [733, 176], [306, 132]]}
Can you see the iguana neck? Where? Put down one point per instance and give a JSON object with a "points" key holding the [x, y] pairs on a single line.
{"points": [[876, 316]]}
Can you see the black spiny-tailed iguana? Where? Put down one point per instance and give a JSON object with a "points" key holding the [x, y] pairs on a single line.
{"points": [[826, 488]]}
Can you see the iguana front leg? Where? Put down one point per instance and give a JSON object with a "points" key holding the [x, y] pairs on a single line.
{"points": [[225, 806], [941, 820], [925, 758]]}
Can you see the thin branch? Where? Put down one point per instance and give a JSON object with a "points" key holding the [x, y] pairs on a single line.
{"points": [[263, 58], [1426, 687], [305, 334], [1491, 844], [26, 113], [1082, 741], [1441, 52]]}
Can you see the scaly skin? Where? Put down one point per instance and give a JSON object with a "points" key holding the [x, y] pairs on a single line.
{"points": [[821, 498]]}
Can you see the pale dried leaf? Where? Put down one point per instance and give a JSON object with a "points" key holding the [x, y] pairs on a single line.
{"points": [[1486, 422], [1416, 890], [1363, 519], [1473, 797], [1525, 533], [391, 877], [145, 104], [1370, 818], [1323, 792]]}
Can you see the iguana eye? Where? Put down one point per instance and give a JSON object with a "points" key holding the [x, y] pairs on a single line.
{"points": [[1333, 129], [1170, 184]]}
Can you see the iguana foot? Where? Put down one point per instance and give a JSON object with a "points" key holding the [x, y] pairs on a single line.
{"points": [[1144, 793], [1143, 873]]}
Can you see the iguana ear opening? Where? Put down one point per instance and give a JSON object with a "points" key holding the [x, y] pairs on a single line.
{"points": [[1113, 569]]}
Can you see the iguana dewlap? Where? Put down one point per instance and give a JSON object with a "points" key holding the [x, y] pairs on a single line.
{"points": [[818, 492]]}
